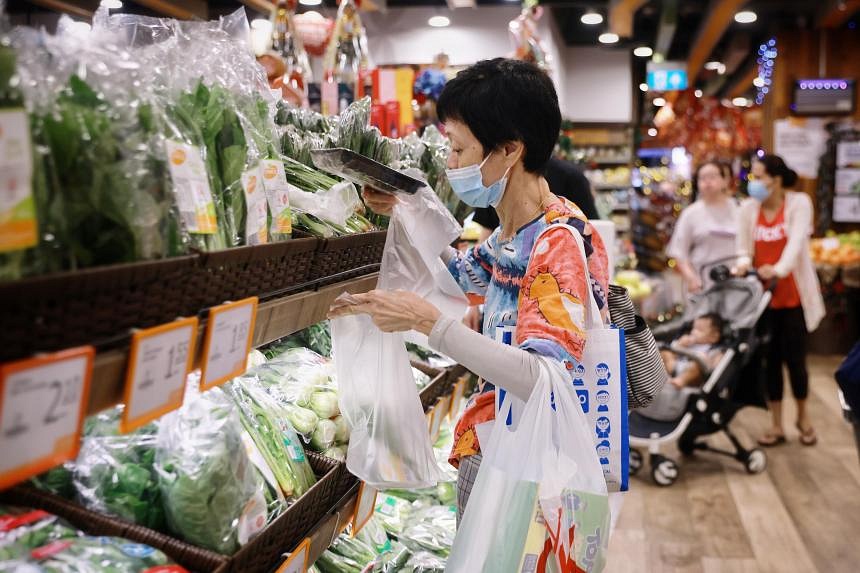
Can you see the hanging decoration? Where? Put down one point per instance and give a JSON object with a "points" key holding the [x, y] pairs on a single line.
{"points": [[767, 54], [523, 32], [347, 54], [315, 31]]}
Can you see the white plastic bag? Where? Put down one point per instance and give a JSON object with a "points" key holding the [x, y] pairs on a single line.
{"points": [[538, 484], [389, 444]]}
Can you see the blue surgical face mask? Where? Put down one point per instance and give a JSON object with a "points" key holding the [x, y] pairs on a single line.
{"points": [[468, 184], [758, 190]]}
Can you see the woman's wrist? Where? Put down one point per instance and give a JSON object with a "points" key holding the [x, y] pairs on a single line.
{"points": [[426, 319]]}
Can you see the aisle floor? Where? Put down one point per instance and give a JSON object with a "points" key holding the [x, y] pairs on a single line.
{"points": [[802, 515]]}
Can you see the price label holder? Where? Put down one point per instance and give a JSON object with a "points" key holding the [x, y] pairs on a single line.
{"points": [[297, 562], [229, 334], [159, 362], [365, 504], [439, 414], [431, 416], [457, 396], [43, 401]]}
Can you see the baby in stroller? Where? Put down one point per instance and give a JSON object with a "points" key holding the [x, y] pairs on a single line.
{"points": [[688, 361]]}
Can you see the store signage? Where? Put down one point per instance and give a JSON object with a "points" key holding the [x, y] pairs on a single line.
{"points": [[297, 562], [43, 401], [364, 507], [228, 341], [159, 362], [666, 76]]}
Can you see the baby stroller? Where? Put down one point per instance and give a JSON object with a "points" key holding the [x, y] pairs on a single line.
{"points": [[709, 409]]}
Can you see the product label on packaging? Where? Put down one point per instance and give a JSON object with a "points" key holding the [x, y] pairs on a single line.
{"points": [[18, 226], [295, 450], [191, 186], [256, 232], [253, 518], [278, 195]]}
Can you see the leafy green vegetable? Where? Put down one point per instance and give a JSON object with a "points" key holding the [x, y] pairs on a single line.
{"points": [[303, 420], [324, 403], [336, 453], [102, 555], [323, 436], [26, 529], [341, 435]]}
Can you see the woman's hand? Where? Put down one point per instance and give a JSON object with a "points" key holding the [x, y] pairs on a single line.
{"points": [[391, 311], [766, 272], [694, 285], [378, 202]]}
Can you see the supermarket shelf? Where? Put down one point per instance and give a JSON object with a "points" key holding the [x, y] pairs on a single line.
{"points": [[613, 187], [323, 534], [611, 162], [275, 319]]}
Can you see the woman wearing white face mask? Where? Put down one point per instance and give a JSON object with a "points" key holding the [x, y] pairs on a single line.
{"points": [[774, 237], [502, 118]]}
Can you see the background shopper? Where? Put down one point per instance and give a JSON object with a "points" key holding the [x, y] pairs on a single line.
{"points": [[706, 231], [775, 225]]}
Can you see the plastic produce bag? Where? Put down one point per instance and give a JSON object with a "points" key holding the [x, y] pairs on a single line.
{"points": [[101, 554], [212, 492], [543, 486], [23, 529]]}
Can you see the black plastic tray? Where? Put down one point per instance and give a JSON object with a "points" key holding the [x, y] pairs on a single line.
{"points": [[364, 171]]}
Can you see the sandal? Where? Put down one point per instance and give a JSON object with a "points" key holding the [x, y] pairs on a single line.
{"points": [[771, 439], [808, 436]]}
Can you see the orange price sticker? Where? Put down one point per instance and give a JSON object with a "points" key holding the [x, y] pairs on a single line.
{"points": [[229, 334], [159, 362], [297, 562], [42, 405], [364, 506]]}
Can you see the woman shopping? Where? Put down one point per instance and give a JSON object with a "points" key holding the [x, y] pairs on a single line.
{"points": [[773, 236], [706, 232], [502, 118]]}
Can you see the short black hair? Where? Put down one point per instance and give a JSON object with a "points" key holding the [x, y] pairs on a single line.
{"points": [[716, 321], [775, 166], [503, 100]]}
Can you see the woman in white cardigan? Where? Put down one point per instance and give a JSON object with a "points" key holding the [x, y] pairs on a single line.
{"points": [[773, 237]]}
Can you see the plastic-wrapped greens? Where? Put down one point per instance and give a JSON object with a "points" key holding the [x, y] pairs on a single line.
{"points": [[213, 495], [99, 555], [24, 530], [431, 529]]}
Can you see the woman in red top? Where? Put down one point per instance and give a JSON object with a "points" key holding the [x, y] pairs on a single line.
{"points": [[774, 236]]}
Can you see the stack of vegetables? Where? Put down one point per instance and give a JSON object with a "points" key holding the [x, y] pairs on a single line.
{"points": [[34, 540]]}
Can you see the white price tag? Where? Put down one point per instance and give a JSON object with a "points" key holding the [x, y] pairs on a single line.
{"points": [[364, 507], [297, 562], [228, 341], [42, 405], [159, 362]]}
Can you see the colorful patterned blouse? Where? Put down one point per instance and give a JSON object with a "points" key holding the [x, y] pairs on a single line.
{"points": [[537, 292]]}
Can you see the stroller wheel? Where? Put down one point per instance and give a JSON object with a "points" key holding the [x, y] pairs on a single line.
{"points": [[635, 461], [664, 471], [756, 461]]}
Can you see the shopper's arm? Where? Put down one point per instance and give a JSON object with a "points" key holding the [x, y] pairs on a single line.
{"points": [[508, 367], [797, 234]]}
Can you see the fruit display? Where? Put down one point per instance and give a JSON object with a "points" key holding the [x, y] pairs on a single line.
{"points": [[637, 284], [836, 250]]}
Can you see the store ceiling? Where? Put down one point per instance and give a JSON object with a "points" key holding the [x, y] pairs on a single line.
{"points": [[696, 31]]}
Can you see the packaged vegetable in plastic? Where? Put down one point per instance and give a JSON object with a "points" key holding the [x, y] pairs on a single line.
{"points": [[374, 536], [548, 473], [212, 494], [323, 436], [336, 453], [271, 431], [102, 554], [23, 529], [431, 529], [392, 513], [341, 435]]}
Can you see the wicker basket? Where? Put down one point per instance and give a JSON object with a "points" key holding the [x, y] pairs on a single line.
{"points": [[262, 554], [264, 271], [440, 385], [348, 257], [92, 306]]}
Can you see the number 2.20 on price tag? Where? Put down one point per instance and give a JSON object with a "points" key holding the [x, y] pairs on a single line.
{"points": [[228, 341], [159, 362], [42, 406]]}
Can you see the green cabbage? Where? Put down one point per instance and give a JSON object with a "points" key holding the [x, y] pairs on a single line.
{"points": [[341, 436], [303, 420], [324, 403], [323, 436]]}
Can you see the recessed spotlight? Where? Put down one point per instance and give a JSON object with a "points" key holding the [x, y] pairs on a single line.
{"points": [[439, 21], [652, 132], [591, 18], [740, 102], [713, 65], [698, 93], [746, 17], [608, 38], [111, 4], [643, 52], [659, 102], [643, 87]]}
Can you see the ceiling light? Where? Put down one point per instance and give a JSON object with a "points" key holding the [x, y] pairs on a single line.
{"points": [[111, 4], [746, 17], [643, 87], [698, 93], [740, 102], [310, 2], [713, 65], [643, 52], [260, 24], [758, 82], [659, 102], [591, 18], [722, 69], [607, 38], [439, 21], [652, 132]]}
